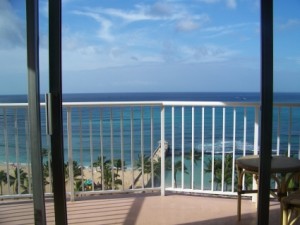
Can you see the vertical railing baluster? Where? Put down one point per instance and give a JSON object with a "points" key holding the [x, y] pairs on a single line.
{"points": [[290, 131], [223, 149], [233, 150], [173, 147], [193, 147], [151, 147], [16, 129], [256, 138], [112, 150], [122, 146], [278, 129], [245, 138], [162, 146], [28, 154], [49, 164], [132, 147], [256, 129], [6, 150], [91, 146], [182, 147], [101, 149], [299, 144], [80, 148], [142, 145], [245, 132], [202, 148], [70, 153], [213, 149]]}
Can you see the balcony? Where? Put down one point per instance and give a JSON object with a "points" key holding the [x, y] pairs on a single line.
{"points": [[142, 209], [116, 148]]}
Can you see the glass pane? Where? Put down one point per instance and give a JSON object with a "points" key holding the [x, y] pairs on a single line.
{"points": [[286, 125], [15, 165], [15, 158]]}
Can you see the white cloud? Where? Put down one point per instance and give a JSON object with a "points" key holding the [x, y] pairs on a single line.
{"points": [[187, 25], [131, 16], [104, 31], [207, 53], [290, 24], [136, 45], [193, 23], [141, 12], [231, 4], [12, 29], [218, 31], [161, 9], [209, 1], [86, 57]]}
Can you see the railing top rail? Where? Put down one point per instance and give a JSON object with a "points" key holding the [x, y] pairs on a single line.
{"points": [[213, 103], [112, 104], [156, 103], [13, 105]]}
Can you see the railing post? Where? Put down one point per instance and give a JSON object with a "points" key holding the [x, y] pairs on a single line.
{"points": [[173, 147], [70, 155], [49, 164], [17, 151], [256, 130], [193, 148], [256, 138], [6, 149], [162, 150], [92, 149], [182, 147], [290, 131]]}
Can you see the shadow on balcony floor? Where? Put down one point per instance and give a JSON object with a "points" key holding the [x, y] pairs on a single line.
{"points": [[145, 209]]}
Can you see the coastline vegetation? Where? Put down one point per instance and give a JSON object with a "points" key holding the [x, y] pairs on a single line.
{"points": [[108, 174]]}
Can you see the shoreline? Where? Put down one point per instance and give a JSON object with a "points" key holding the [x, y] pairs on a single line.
{"points": [[128, 176]]}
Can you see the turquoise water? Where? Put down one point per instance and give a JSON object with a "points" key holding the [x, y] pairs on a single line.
{"points": [[105, 114]]}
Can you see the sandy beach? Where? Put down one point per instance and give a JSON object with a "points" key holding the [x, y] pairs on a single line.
{"points": [[128, 176]]}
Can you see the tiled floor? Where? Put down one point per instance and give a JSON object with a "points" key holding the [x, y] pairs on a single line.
{"points": [[142, 209]]}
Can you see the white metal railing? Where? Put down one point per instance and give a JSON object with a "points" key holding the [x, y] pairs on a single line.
{"points": [[112, 145]]}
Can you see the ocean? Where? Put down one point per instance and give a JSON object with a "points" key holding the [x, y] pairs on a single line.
{"points": [[13, 128]]}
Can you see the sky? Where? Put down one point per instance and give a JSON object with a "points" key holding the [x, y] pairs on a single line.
{"points": [[154, 46]]}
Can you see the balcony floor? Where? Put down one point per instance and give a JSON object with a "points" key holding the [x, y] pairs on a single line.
{"points": [[142, 209]]}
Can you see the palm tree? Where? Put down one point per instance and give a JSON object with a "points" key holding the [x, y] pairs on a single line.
{"points": [[217, 170], [197, 157], [227, 172], [23, 181], [3, 179], [118, 164], [45, 172], [156, 167], [178, 168], [76, 173], [46, 166], [76, 169], [145, 163], [78, 185], [107, 179]]}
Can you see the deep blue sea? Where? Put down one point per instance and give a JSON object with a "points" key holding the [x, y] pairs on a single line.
{"points": [[90, 119], [162, 96]]}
